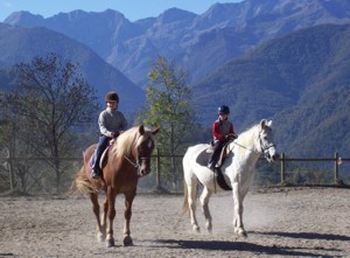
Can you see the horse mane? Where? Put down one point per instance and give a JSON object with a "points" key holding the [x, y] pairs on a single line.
{"points": [[245, 138], [122, 146], [245, 134]]}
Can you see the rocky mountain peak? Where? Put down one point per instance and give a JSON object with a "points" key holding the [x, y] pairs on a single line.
{"points": [[24, 17]]}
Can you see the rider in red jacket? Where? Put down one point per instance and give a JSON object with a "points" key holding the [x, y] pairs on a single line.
{"points": [[222, 132]]}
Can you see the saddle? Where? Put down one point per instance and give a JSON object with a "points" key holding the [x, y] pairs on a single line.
{"points": [[104, 156], [204, 156]]}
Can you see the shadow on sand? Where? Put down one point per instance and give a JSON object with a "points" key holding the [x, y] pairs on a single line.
{"points": [[238, 246], [306, 235]]}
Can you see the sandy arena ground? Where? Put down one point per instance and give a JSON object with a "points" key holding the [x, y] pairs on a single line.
{"points": [[289, 222]]}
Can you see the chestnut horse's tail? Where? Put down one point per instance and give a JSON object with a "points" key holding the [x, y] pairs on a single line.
{"points": [[82, 182]]}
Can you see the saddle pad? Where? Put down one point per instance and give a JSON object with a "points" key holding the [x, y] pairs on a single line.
{"points": [[103, 160], [203, 158]]}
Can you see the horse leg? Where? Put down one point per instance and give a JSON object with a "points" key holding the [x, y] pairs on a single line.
{"points": [[204, 199], [238, 211], [111, 214], [192, 196], [96, 210], [104, 217], [129, 198]]}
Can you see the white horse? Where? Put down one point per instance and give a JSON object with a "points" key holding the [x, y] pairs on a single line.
{"points": [[238, 169]]}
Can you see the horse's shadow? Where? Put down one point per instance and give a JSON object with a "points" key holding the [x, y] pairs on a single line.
{"points": [[240, 246], [306, 235]]}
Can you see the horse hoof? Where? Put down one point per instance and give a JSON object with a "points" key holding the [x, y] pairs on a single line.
{"points": [[127, 241], [210, 228], [110, 243], [242, 233], [101, 237], [196, 228]]}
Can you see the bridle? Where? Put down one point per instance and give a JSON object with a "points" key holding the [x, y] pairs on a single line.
{"points": [[264, 148], [134, 164], [137, 163]]}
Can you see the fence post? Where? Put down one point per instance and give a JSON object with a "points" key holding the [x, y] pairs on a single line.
{"points": [[158, 170], [11, 173], [336, 168], [283, 168]]}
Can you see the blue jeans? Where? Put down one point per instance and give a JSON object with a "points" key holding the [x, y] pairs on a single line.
{"points": [[218, 145], [101, 146]]}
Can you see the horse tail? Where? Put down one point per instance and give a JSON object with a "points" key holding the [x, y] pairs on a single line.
{"points": [[82, 183], [185, 208], [74, 186]]}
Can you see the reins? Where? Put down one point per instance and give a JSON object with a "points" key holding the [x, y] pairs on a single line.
{"points": [[244, 147], [132, 162], [135, 163], [263, 148]]}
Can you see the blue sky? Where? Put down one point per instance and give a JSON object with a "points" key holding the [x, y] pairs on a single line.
{"points": [[132, 9]]}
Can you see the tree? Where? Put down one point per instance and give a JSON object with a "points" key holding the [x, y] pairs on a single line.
{"points": [[168, 105], [51, 99]]}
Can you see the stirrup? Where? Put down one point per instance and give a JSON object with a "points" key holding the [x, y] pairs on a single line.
{"points": [[211, 166], [94, 174]]}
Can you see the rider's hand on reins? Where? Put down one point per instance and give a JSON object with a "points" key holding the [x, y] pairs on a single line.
{"points": [[115, 134]]}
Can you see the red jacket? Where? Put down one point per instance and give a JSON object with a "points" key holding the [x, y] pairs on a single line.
{"points": [[221, 128]]}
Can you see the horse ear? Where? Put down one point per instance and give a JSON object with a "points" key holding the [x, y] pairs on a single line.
{"points": [[263, 124], [156, 130], [141, 129], [269, 123]]}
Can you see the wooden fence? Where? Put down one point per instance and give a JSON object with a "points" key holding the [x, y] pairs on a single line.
{"points": [[337, 160]]}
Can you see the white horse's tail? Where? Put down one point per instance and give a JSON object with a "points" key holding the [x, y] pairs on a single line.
{"points": [[185, 208], [185, 165]]}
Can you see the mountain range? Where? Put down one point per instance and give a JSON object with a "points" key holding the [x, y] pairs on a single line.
{"points": [[19, 44], [197, 42], [301, 80]]}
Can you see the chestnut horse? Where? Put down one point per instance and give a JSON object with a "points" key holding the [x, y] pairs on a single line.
{"points": [[128, 159]]}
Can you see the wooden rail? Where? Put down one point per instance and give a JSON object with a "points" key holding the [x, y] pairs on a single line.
{"points": [[337, 160], [284, 160]]}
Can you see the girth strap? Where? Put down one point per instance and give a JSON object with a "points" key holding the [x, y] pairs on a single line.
{"points": [[221, 180]]}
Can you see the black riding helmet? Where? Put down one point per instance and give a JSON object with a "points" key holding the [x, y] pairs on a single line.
{"points": [[224, 110], [112, 96]]}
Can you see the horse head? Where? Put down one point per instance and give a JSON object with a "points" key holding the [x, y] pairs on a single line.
{"points": [[265, 141], [143, 149]]}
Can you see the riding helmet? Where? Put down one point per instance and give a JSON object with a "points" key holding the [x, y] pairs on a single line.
{"points": [[112, 96], [224, 110]]}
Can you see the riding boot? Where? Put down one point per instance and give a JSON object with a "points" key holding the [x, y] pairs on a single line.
{"points": [[102, 144], [214, 158], [216, 154]]}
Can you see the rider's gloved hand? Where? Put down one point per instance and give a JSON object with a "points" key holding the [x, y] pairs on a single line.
{"points": [[115, 134], [231, 136]]}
